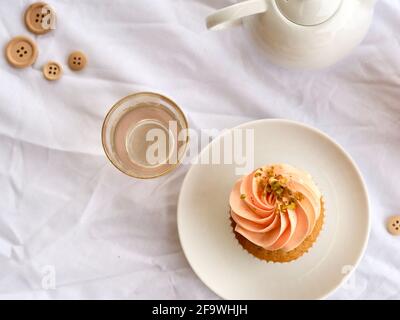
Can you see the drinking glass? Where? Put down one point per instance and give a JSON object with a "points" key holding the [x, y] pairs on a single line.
{"points": [[145, 135]]}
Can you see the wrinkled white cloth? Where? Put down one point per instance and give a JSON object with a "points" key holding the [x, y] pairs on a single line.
{"points": [[66, 214]]}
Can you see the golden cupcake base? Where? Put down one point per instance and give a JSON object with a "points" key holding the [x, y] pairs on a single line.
{"points": [[280, 255]]}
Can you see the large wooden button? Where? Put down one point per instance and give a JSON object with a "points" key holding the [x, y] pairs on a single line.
{"points": [[77, 60], [52, 71], [393, 225], [40, 18], [21, 52]]}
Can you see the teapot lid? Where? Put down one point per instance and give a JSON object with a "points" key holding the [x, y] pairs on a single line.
{"points": [[308, 12]]}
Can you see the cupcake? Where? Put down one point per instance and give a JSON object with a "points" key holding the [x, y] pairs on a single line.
{"points": [[276, 212]]}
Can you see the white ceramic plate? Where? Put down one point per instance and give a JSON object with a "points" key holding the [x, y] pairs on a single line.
{"points": [[232, 273]]}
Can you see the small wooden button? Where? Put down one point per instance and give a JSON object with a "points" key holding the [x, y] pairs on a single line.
{"points": [[52, 71], [77, 60], [39, 18], [21, 52], [393, 225]]}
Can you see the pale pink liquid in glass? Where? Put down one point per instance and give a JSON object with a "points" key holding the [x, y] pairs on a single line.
{"points": [[133, 149]]}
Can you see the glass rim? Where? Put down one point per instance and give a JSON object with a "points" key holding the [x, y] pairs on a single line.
{"points": [[116, 106]]}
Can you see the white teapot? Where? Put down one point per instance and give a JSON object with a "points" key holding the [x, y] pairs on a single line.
{"points": [[306, 34]]}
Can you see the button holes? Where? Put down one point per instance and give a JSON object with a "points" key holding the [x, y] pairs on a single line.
{"points": [[51, 68], [38, 15], [74, 58], [54, 72], [37, 20], [393, 225], [48, 21], [79, 58], [48, 11], [74, 62], [397, 228], [25, 52], [42, 15], [18, 51], [397, 221], [21, 55], [22, 48], [79, 63]]}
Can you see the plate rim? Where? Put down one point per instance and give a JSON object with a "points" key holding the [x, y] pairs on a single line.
{"points": [[304, 126]]}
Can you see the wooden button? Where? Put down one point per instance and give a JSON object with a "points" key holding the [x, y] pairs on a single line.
{"points": [[393, 225], [39, 18], [77, 60], [21, 52], [52, 71]]}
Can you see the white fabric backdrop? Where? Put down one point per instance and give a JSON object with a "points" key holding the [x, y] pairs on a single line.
{"points": [[63, 205]]}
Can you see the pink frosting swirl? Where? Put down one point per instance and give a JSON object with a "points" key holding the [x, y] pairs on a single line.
{"points": [[259, 215]]}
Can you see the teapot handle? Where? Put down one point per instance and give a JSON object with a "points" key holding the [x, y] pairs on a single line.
{"points": [[227, 16]]}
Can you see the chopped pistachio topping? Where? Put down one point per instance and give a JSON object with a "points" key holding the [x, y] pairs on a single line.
{"points": [[290, 206], [299, 196], [271, 183]]}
